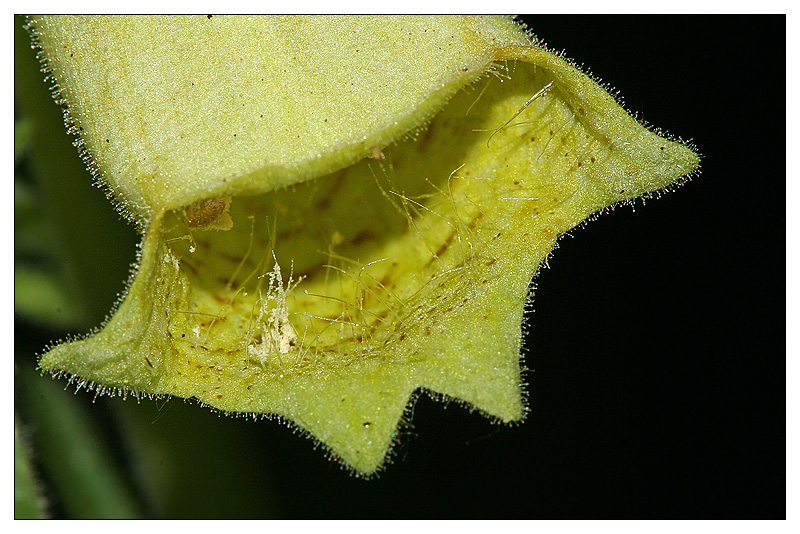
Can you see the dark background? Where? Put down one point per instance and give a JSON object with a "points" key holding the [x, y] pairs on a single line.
{"points": [[657, 346]]}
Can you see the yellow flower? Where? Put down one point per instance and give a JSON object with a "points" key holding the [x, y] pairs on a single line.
{"points": [[337, 211]]}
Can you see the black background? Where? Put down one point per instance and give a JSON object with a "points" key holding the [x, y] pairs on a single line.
{"points": [[657, 346]]}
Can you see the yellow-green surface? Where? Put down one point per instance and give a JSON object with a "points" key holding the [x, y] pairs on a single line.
{"points": [[331, 301]]}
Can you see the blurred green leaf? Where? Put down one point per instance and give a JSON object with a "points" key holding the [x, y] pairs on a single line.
{"points": [[41, 292], [41, 296], [192, 463], [28, 503], [23, 130], [73, 456], [31, 233]]}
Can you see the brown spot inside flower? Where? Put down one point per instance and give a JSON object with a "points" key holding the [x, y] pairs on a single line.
{"points": [[210, 214]]}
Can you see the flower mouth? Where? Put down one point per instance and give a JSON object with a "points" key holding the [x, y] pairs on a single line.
{"points": [[354, 263], [305, 275]]}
